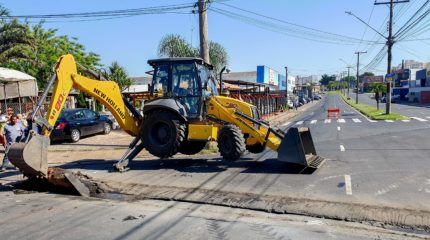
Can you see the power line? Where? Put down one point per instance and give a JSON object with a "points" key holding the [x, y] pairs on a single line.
{"points": [[287, 28], [101, 15]]}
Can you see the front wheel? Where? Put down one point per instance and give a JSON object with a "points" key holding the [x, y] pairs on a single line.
{"points": [[231, 143], [163, 133]]}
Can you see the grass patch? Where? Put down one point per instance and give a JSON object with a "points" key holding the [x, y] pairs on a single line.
{"points": [[369, 111]]}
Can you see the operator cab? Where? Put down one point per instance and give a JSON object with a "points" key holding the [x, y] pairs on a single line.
{"points": [[188, 81]]}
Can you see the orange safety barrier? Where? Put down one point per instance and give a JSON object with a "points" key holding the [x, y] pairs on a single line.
{"points": [[331, 111]]}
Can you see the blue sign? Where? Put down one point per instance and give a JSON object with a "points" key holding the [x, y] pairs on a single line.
{"points": [[389, 77]]}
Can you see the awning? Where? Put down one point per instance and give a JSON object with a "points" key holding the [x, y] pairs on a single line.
{"points": [[14, 84]]}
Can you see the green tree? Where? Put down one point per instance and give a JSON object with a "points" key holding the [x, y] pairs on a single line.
{"points": [[117, 73], [15, 40], [174, 45], [367, 74], [48, 47], [218, 56], [326, 79], [378, 89]]}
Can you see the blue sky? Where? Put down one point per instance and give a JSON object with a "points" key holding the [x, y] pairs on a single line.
{"points": [[132, 41]]}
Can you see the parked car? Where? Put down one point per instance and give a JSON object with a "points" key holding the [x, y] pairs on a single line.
{"points": [[115, 124], [75, 123], [384, 99], [290, 103], [302, 100], [317, 97]]}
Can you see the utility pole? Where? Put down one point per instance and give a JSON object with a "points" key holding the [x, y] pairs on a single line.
{"points": [[349, 83], [390, 43], [203, 25], [358, 74]]}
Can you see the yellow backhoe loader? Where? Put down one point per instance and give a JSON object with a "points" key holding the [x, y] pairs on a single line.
{"points": [[183, 113]]}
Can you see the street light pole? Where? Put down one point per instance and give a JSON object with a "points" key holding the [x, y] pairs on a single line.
{"points": [[358, 74], [286, 83]]}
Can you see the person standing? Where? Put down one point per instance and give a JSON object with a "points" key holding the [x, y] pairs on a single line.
{"points": [[9, 113], [12, 133]]}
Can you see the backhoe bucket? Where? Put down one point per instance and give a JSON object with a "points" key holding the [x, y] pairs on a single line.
{"points": [[298, 147], [31, 157]]}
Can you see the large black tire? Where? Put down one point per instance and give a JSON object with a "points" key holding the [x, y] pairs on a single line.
{"points": [[163, 133], [256, 148], [231, 143], [191, 147]]}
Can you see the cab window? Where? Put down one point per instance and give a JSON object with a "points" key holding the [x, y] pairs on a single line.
{"points": [[161, 80], [184, 80]]}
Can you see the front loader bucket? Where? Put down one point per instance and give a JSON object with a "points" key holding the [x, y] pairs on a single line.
{"points": [[31, 157], [298, 147]]}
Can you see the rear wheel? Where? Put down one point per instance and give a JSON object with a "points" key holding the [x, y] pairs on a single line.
{"points": [[75, 135], [231, 143], [256, 148], [163, 133], [191, 147]]}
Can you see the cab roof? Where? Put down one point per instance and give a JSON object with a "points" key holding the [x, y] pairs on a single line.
{"points": [[155, 62]]}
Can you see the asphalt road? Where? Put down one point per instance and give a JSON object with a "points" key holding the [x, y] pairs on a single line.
{"points": [[415, 111], [47, 216], [385, 161]]}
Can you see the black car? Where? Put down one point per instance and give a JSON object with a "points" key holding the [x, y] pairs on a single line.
{"points": [[75, 123]]}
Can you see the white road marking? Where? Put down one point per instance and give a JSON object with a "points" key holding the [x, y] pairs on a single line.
{"points": [[356, 120], [370, 120], [338, 128], [342, 148], [406, 120], [348, 187], [389, 120], [314, 121], [341, 120], [286, 124], [419, 119], [327, 121], [299, 123], [427, 117], [386, 190]]}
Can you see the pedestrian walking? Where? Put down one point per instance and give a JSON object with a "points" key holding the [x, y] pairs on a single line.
{"points": [[295, 104], [12, 132]]}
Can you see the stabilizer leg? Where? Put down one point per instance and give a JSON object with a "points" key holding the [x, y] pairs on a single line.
{"points": [[132, 151]]}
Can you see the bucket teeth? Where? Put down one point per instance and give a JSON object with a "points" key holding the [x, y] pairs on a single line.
{"points": [[298, 147]]}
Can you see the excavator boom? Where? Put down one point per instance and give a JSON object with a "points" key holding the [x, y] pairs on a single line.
{"points": [[30, 155]]}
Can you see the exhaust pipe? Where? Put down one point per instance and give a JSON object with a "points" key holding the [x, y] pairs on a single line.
{"points": [[298, 147]]}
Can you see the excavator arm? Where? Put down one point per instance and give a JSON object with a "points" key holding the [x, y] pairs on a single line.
{"points": [[107, 93], [30, 155]]}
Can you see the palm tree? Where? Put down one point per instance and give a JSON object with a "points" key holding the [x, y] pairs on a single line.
{"points": [[117, 73], [378, 89], [14, 38], [174, 45]]}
